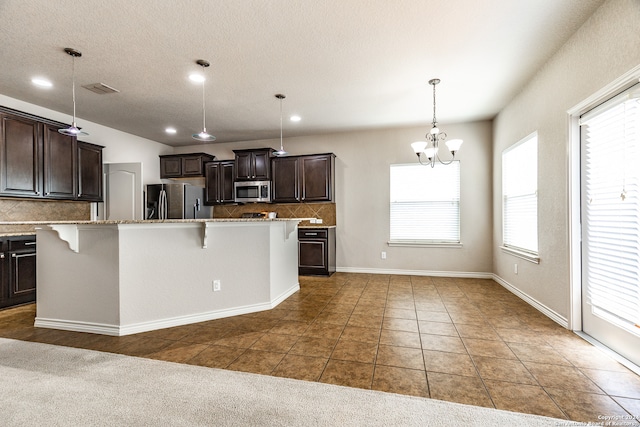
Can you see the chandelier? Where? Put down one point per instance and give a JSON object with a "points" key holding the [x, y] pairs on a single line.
{"points": [[429, 148]]}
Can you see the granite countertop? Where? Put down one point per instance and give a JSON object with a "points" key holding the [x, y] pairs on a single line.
{"points": [[317, 226], [149, 221], [17, 233]]}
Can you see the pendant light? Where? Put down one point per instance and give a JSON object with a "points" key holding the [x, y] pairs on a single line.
{"points": [[204, 135], [73, 130], [280, 152]]}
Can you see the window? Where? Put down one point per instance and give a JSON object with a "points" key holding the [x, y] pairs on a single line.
{"points": [[520, 198], [610, 137], [425, 204]]}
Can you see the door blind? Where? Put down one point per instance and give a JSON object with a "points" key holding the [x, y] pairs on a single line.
{"points": [[611, 218]]}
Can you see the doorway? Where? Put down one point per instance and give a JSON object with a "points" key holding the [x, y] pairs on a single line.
{"points": [[610, 223]]}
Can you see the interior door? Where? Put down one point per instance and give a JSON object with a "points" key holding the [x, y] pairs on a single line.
{"points": [[123, 194], [610, 219]]}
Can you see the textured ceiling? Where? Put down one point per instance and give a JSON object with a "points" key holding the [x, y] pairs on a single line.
{"points": [[343, 64]]}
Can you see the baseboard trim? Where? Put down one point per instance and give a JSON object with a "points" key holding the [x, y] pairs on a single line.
{"points": [[68, 325], [433, 273], [551, 314], [286, 294], [121, 330]]}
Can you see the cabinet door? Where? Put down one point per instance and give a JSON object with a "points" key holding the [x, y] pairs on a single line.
{"points": [[286, 183], [89, 172], [312, 256], [226, 182], [243, 166], [317, 179], [4, 277], [211, 183], [60, 164], [219, 182], [22, 277], [20, 156], [261, 165], [192, 165], [170, 167]]}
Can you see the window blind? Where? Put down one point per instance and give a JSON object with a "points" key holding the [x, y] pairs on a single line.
{"points": [[425, 203], [520, 195], [611, 209]]}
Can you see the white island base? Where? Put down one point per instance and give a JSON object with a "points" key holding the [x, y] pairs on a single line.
{"points": [[117, 278]]}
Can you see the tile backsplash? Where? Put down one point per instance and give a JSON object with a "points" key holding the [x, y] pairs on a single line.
{"points": [[326, 211], [35, 210]]}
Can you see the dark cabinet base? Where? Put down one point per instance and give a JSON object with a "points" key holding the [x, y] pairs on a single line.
{"points": [[316, 251], [17, 271]]}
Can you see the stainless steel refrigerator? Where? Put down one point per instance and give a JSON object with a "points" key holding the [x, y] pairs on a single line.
{"points": [[176, 201]]}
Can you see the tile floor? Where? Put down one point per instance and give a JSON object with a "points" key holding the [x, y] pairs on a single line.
{"points": [[461, 340]]}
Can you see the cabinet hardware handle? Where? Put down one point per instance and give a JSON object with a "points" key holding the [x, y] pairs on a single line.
{"points": [[310, 234], [1, 256], [29, 243], [13, 255]]}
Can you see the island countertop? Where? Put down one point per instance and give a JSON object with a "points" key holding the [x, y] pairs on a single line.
{"points": [[153, 221]]}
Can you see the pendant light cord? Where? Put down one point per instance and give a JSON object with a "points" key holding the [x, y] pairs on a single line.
{"points": [[73, 87], [281, 146], [204, 115]]}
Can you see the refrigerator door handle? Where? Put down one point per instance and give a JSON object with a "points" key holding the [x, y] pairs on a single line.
{"points": [[162, 208]]}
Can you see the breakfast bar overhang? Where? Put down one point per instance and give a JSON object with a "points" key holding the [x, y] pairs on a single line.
{"points": [[125, 277]]}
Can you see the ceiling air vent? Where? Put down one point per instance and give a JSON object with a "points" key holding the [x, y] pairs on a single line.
{"points": [[100, 88]]}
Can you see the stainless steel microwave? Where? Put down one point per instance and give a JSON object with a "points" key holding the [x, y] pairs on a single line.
{"points": [[252, 191]]}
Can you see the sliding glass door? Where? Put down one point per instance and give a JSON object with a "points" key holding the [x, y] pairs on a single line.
{"points": [[610, 210]]}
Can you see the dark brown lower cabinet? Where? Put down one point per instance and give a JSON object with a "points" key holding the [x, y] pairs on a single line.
{"points": [[17, 270], [316, 251]]}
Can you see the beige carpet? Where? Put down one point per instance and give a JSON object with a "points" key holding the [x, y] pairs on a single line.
{"points": [[47, 385]]}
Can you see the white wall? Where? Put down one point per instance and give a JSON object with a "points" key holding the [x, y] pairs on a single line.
{"points": [[604, 48], [362, 196], [120, 147]]}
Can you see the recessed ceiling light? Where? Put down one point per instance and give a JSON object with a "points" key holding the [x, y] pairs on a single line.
{"points": [[40, 82], [295, 118], [171, 131], [197, 78]]}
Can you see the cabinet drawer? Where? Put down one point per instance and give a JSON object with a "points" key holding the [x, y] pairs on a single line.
{"points": [[306, 233], [17, 245]]}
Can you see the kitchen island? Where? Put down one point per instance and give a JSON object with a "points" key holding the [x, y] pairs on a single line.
{"points": [[124, 277]]}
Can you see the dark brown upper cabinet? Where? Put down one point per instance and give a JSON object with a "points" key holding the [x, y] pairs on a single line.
{"points": [[302, 179], [20, 156], [60, 164], [253, 165], [183, 165], [219, 182], [89, 172], [36, 161]]}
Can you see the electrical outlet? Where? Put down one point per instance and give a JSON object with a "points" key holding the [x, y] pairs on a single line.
{"points": [[515, 268], [312, 221], [383, 255], [318, 220], [216, 285]]}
